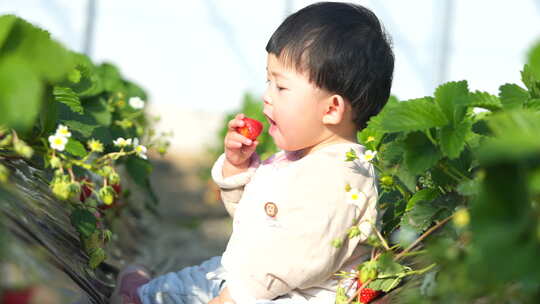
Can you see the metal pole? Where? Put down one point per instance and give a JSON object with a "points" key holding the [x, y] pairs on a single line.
{"points": [[446, 40], [90, 24]]}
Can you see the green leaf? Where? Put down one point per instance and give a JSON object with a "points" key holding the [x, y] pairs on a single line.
{"points": [[49, 114], [6, 23], [534, 182], [485, 100], [48, 58], [422, 195], [420, 153], [112, 80], [530, 81], [75, 148], [533, 104], [97, 256], [84, 222], [512, 96], [419, 218], [452, 97], [98, 109], [407, 178], [516, 137], [469, 187], [90, 83], [412, 115], [20, 94], [452, 138], [534, 60], [392, 151], [389, 274], [68, 97], [75, 125]]}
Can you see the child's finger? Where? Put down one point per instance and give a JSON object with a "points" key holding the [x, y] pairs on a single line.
{"points": [[231, 144], [239, 138], [235, 123]]}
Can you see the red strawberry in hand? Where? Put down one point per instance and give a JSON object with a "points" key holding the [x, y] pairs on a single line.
{"points": [[251, 129]]}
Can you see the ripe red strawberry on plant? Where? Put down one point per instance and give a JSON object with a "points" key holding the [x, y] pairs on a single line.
{"points": [[17, 296], [366, 294], [86, 190], [251, 129]]}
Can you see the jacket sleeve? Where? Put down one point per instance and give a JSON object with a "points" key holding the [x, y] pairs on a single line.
{"points": [[232, 187], [323, 199]]}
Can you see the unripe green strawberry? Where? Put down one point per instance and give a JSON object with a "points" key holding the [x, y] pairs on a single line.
{"points": [[55, 162], [4, 173], [107, 195], [368, 271], [61, 190], [387, 180], [74, 189], [6, 140], [251, 129], [23, 149]]}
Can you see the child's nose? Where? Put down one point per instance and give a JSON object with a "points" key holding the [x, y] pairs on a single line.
{"points": [[267, 100]]}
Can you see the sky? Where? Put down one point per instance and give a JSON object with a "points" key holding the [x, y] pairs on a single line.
{"points": [[202, 56]]}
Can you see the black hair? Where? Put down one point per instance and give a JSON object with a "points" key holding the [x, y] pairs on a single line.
{"points": [[344, 49]]}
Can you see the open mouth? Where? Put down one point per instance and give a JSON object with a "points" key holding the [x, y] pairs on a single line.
{"points": [[270, 120]]}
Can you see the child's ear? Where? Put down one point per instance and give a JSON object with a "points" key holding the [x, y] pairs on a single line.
{"points": [[334, 110]]}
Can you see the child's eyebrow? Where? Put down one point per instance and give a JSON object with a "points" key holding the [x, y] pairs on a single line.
{"points": [[276, 74]]}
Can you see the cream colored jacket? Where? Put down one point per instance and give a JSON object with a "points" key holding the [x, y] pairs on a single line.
{"points": [[286, 213]]}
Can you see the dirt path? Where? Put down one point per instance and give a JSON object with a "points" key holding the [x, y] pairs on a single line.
{"points": [[193, 225]]}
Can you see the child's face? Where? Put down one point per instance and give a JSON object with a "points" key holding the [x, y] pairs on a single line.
{"points": [[294, 107]]}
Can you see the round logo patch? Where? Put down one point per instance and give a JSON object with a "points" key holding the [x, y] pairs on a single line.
{"points": [[270, 209]]}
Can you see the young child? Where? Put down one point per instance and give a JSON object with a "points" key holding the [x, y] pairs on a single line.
{"points": [[329, 69]]}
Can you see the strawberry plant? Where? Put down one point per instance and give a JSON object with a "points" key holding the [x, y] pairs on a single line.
{"points": [[459, 179], [79, 121]]}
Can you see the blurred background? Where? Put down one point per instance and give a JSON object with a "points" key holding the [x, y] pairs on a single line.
{"points": [[200, 61], [197, 59]]}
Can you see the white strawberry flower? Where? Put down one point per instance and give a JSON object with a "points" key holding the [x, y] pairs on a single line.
{"points": [[136, 102], [140, 150], [58, 142], [355, 197], [121, 142], [63, 131], [368, 156]]}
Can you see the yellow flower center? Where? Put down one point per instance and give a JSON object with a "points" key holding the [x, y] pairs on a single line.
{"points": [[354, 196], [58, 141]]}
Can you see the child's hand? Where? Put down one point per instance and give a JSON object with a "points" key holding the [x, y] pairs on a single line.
{"points": [[238, 149]]}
